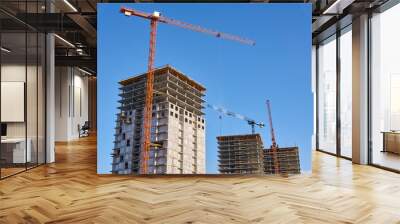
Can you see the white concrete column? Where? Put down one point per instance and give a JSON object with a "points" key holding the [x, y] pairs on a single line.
{"points": [[62, 103], [50, 100], [50, 92], [360, 90]]}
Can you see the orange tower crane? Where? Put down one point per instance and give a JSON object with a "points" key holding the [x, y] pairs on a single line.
{"points": [[154, 18], [274, 146]]}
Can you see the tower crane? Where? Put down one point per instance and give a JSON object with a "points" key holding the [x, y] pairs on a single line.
{"points": [[155, 18], [250, 121], [224, 111], [274, 146]]}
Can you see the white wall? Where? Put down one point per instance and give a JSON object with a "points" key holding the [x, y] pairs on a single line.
{"points": [[12, 99], [61, 103], [71, 102], [16, 73], [33, 126]]}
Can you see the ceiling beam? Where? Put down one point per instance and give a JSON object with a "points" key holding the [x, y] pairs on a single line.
{"points": [[86, 27], [81, 61]]}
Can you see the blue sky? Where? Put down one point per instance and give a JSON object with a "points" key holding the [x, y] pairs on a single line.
{"points": [[237, 76]]}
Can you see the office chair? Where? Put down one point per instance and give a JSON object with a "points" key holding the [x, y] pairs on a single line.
{"points": [[84, 130]]}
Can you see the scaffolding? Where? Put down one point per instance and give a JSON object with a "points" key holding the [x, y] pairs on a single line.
{"points": [[240, 154]]}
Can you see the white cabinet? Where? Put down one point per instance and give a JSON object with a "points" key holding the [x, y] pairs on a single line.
{"points": [[18, 153]]}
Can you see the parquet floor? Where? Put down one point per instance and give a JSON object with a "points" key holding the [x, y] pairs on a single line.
{"points": [[70, 191], [10, 171]]}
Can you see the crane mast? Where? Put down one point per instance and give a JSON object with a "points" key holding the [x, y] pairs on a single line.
{"points": [[274, 146], [149, 93], [273, 141], [154, 18]]}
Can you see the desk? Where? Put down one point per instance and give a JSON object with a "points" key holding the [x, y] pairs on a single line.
{"points": [[13, 150], [391, 142]]}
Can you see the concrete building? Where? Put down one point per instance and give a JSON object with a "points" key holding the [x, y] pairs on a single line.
{"points": [[178, 125], [240, 154], [288, 159]]}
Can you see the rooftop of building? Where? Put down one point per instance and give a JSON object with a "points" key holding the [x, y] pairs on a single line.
{"points": [[240, 137], [293, 148], [162, 70]]}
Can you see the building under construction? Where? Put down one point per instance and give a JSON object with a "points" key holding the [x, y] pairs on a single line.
{"points": [[178, 125], [288, 161], [244, 154], [240, 154]]}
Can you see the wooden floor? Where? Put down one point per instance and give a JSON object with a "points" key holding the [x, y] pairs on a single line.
{"points": [[70, 191], [10, 171], [387, 159]]}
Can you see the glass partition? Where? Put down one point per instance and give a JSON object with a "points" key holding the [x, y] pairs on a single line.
{"points": [[346, 92], [41, 96], [13, 105], [31, 100], [22, 88], [385, 89], [327, 95]]}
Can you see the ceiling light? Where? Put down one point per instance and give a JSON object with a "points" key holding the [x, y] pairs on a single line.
{"points": [[337, 7], [84, 71], [5, 50], [333, 6], [79, 51], [65, 41], [70, 5]]}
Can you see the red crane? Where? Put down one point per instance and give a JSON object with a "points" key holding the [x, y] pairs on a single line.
{"points": [[154, 18], [274, 146]]}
